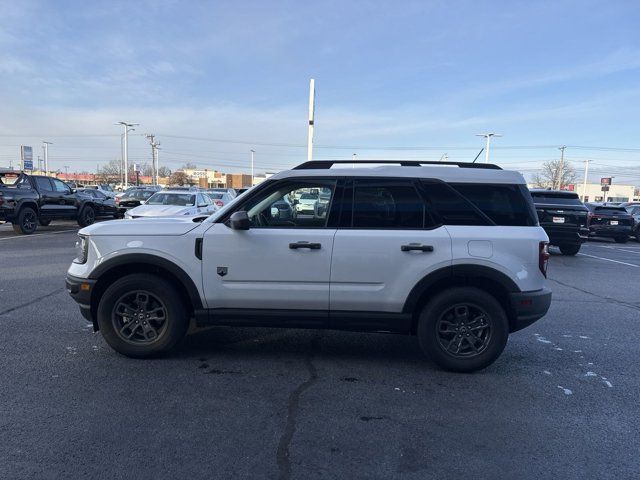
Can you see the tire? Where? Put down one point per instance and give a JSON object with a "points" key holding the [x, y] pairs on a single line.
{"points": [[637, 234], [44, 222], [87, 216], [621, 239], [484, 315], [27, 221], [569, 249], [132, 290]]}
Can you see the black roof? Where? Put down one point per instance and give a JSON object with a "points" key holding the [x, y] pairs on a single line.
{"points": [[325, 164]]}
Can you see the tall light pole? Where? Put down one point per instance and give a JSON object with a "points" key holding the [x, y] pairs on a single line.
{"points": [[126, 126], [253, 152], [312, 107], [45, 147], [154, 157], [584, 183], [487, 136], [66, 173]]}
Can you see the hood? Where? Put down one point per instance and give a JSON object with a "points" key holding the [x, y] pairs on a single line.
{"points": [[160, 226], [160, 210]]}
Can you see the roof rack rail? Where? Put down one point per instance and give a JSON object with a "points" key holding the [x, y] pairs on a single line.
{"points": [[326, 164]]}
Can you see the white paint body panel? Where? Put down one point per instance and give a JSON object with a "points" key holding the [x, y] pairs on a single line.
{"points": [[369, 272], [263, 272]]}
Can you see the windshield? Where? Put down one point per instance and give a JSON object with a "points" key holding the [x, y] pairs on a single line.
{"points": [[139, 194], [216, 195], [178, 199]]}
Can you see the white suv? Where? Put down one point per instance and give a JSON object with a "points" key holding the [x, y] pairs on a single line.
{"points": [[449, 252]]}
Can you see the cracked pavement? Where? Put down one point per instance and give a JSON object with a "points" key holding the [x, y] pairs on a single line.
{"points": [[561, 402]]}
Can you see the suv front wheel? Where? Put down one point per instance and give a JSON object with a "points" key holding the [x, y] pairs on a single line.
{"points": [[463, 329], [142, 315]]}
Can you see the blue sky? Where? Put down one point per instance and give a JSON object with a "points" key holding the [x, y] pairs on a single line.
{"points": [[388, 74]]}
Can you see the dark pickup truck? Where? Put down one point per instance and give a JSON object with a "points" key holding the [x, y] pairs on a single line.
{"points": [[29, 200], [564, 217]]}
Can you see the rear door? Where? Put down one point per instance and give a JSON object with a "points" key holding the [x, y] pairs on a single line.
{"points": [[67, 200], [385, 244]]}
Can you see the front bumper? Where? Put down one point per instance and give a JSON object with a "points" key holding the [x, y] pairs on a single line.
{"points": [[80, 290], [527, 307]]}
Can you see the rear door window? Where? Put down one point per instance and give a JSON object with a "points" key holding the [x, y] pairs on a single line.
{"points": [[387, 205], [44, 184]]}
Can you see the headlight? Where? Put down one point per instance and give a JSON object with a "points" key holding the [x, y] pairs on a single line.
{"points": [[127, 215], [82, 250]]}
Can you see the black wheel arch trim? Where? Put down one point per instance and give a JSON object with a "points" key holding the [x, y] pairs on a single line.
{"points": [[452, 273], [155, 261]]}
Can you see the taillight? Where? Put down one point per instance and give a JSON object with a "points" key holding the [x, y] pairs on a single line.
{"points": [[543, 257], [219, 203]]}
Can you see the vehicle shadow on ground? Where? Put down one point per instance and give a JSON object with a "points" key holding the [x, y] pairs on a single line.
{"points": [[279, 343]]}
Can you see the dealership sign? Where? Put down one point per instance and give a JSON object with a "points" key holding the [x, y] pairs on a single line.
{"points": [[26, 157]]}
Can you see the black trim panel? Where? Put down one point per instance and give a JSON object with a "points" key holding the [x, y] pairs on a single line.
{"points": [[156, 261], [529, 307]]}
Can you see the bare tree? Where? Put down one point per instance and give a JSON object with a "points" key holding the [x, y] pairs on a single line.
{"points": [[110, 172], [178, 178], [164, 172], [555, 174], [189, 166]]}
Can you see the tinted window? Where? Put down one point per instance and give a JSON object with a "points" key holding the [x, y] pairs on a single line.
{"points": [[44, 184], [380, 205], [178, 199], [555, 198], [60, 186], [279, 206], [504, 204], [610, 210], [451, 207], [99, 195]]}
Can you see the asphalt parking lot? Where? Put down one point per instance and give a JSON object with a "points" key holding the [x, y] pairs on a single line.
{"points": [[561, 402]]}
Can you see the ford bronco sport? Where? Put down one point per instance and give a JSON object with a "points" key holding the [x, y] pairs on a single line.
{"points": [[449, 252]]}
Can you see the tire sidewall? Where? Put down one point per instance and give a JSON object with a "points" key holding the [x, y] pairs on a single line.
{"points": [[177, 316], [427, 328], [569, 249]]}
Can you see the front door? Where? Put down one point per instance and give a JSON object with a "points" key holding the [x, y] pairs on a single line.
{"points": [[282, 262]]}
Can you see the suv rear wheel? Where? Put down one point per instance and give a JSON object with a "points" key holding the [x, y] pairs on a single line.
{"points": [[569, 249], [621, 239], [87, 216], [463, 329], [142, 315]]}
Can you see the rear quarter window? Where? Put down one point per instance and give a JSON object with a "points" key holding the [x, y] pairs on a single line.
{"points": [[506, 205]]}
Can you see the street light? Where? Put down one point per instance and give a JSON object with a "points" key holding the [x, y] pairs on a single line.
{"points": [[45, 147], [487, 136], [126, 126], [252, 154]]}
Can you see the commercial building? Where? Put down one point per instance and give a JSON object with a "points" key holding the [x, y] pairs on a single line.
{"points": [[594, 193]]}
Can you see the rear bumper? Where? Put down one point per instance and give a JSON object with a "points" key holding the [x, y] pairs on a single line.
{"points": [[566, 236], [527, 307], [7, 214], [610, 230], [80, 290]]}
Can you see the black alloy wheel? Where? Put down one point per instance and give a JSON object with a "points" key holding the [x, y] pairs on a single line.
{"points": [[27, 221], [464, 331], [139, 318]]}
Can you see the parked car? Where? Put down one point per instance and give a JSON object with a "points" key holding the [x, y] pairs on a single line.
{"points": [[173, 202], [220, 198], [232, 192], [634, 211], [103, 205], [305, 204], [104, 188], [454, 256], [28, 200], [564, 217], [132, 198], [610, 221]]}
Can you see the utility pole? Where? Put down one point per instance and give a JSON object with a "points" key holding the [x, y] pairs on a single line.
{"points": [[487, 137], [252, 154], [154, 156], [45, 147], [126, 126], [561, 167], [39, 165], [66, 173], [584, 184], [312, 107]]}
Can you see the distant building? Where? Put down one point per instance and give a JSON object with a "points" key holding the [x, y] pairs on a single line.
{"points": [[238, 180], [594, 193]]}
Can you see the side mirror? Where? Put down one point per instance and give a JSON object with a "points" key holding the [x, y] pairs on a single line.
{"points": [[239, 221]]}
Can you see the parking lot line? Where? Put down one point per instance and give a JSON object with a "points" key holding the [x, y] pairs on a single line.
{"points": [[621, 249], [609, 260], [37, 235]]}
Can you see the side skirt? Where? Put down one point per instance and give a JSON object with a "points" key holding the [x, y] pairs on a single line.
{"points": [[314, 319]]}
